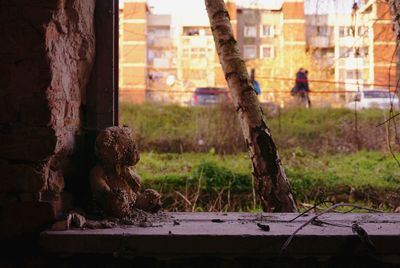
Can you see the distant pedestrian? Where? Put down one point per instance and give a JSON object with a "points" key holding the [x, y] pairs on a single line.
{"points": [[255, 83], [256, 86], [301, 89]]}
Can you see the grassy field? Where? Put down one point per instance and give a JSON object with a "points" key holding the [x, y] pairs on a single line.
{"points": [[196, 157], [372, 178], [199, 129]]}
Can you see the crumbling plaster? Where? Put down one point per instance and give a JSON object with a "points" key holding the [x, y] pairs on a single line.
{"points": [[47, 51]]}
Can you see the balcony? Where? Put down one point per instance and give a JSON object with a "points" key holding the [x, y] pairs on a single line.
{"points": [[355, 63], [154, 41], [351, 63], [322, 41], [198, 41], [161, 63]]}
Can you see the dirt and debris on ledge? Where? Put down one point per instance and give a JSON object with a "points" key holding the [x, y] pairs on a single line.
{"points": [[137, 217], [115, 187]]}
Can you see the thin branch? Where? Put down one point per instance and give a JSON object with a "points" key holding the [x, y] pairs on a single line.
{"points": [[286, 244], [308, 210], [184, 198], [389, 119]]}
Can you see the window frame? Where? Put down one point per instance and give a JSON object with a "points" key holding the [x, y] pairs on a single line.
{"points": [[246, 27], [272, 32], [262, 51], [255, 52], [102, 95]]}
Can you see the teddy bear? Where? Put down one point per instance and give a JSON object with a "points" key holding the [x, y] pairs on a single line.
{"points": [[113, 181]]}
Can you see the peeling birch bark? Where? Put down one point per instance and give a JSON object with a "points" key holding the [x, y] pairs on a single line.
{"points": [[272, 184], [395, 13]]}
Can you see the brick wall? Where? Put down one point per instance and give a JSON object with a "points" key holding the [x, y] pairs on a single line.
{"points": [[47, 50], [293, 35], [384, 42], [133, 51]]}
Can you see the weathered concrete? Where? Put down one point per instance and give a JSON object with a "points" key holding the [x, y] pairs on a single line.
{"points": [[233, 234]]}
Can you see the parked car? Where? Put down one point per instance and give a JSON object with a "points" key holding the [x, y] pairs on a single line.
{"points": [[209, 96], [374, 98]]}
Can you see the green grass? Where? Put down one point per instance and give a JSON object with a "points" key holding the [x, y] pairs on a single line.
{"points": [[318, 147], [166, 128], [307, 172]]}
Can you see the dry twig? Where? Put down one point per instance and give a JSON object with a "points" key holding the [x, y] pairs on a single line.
{"points": [[314, 219], [184, 198]]}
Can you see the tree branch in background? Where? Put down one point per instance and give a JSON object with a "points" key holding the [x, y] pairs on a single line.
{"points": [[272, 184]]}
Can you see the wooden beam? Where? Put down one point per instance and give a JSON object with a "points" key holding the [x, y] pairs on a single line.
{"points": [[102, 93]]}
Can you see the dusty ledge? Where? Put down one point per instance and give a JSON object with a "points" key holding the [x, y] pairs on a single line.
{"points": [[232, 234]]}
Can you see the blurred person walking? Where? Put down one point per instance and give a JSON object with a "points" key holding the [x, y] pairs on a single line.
{"points": [[301, 89], [255, 83]]}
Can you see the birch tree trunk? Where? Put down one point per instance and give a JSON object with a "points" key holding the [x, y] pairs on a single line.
{"points": [[272, 184], [395, 12]]}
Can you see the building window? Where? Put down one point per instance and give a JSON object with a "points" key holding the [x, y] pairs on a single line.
{"points": [[344, 52], [353, 74], [249, 52], [267, 52], [322, 30], [363, 31], [364, 51], [341, 31], [250, 31], [267, 30], [346, 31]]}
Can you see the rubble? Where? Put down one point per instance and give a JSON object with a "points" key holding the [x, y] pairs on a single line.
{"points": [[76, 220], [136, 217], [149, 201]]}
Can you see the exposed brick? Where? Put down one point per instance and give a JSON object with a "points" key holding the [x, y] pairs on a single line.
{"points": [[29, 77], [65, 143], [51, 4], [25, 217], [29, 197], [8, 110], [5, 77], [36, 15], [6, 198], [49, 196], [20, 40], [47, 51], [35, 111], [64, 200], [55, 181], [21, 178], [19, 142], [72, 113]]}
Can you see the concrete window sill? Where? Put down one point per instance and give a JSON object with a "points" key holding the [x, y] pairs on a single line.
{"points": [[232, 234]]}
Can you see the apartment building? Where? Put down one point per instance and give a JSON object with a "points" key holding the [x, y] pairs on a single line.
{"points": [[271, 37], [165, 56], [162, 50], [133, 50], [358, 48]]}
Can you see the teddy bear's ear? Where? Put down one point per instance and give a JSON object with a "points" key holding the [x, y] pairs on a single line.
{"points": [[115, 145]]}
